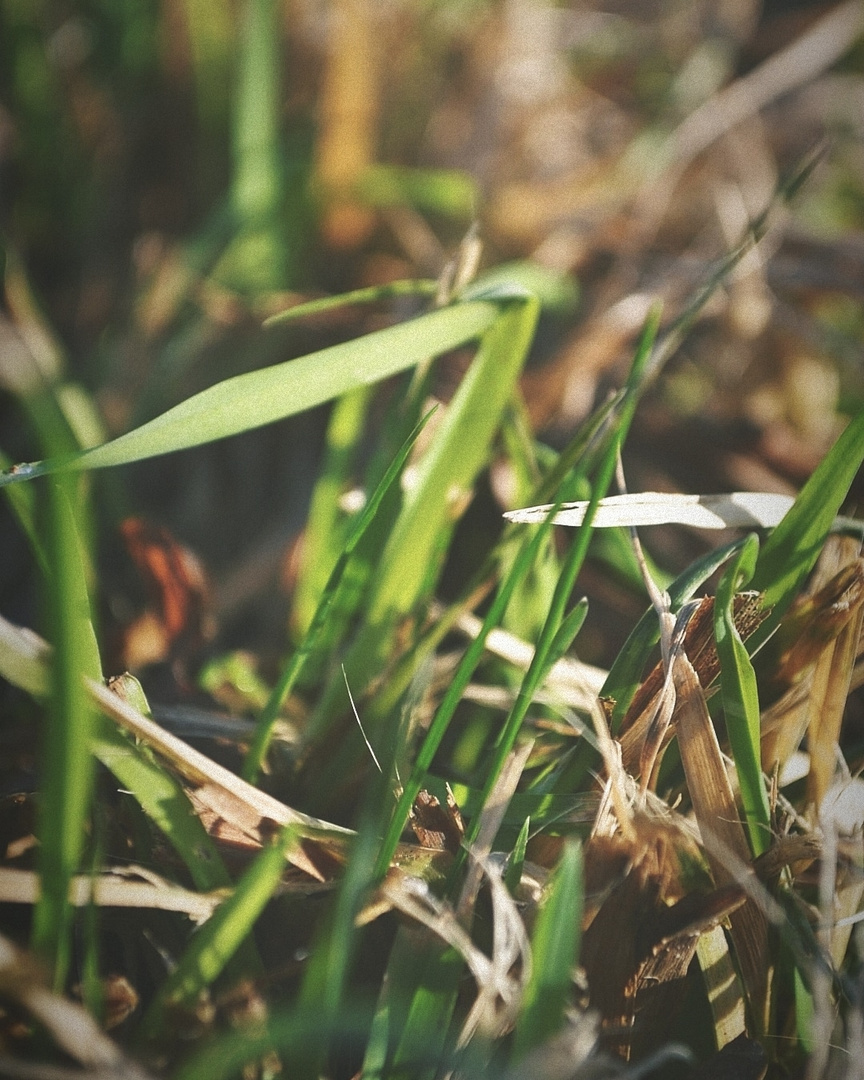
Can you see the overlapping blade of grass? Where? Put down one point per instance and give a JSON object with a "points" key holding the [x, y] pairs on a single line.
{"points": [[158, 793], [447, 472], [26, 663], [260, 397], [263, 732], [218, 939], [412, 556], [572, 564], [790, 552], [446, 710], [419, 288], [741, 697], [66, 763], [555, 950]]}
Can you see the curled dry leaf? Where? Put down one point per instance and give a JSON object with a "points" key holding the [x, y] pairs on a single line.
{"points": [[698, 644], [437, 826], [639, 944]]}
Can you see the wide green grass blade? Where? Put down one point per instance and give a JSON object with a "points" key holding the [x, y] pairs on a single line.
{"points": [[555, 950], [790, 552], [447, 472], [260, 397], [66, 763], [741, 697], [218, 939], [264, 730]]}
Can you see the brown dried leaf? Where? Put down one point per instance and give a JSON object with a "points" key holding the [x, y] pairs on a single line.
{"points": [[436, 826], [699, 647], [179, 618], [722, 831], [636, 944]]}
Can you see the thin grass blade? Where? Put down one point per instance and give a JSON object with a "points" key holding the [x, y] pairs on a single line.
{"points": [[67, 764], [790, 552], [555, 948], [741, 697], [218, 939], [264, 730], [375, 294]]}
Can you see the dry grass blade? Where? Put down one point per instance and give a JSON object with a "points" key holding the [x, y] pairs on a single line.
{"points": [[816, 649], [114, 890], [638, 946], [739, 510], [69, 1024], [491, 817], [699, 647], [224, 797], [717, 815]]}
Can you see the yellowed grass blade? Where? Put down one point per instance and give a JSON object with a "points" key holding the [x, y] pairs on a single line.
{"points": [[115, 890], [817, 645]]}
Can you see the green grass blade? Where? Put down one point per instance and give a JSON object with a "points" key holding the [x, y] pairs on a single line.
{"points": [[790, 552], [260, 397], [570, 626], [741, 697], [374, 294], [436, 191], [555, 950], [264, 730], [327, 523], [516, 861], [449, 469], [66, 760], [412, 1022], [218, 939], [412, 556], [626, 671], [446, 710], [256, 259], [540, 662]]}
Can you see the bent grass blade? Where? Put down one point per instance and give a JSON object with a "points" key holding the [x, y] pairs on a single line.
{"points": [[256, 398]]}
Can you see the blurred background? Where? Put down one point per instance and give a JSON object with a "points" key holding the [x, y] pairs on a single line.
{"points": [[174, 171]]}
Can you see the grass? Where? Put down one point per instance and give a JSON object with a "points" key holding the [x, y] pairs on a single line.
{"points": [[406, 854]]}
